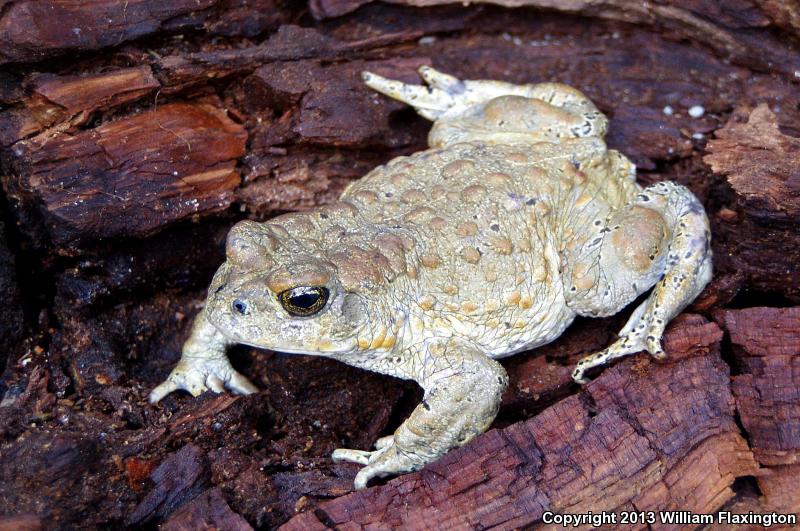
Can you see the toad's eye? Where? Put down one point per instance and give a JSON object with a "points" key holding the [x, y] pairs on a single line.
{"points": [[303, 301], [240, 306]]}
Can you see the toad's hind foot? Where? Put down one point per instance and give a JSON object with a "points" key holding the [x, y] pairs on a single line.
{"points": [[679, 274], [646, 336], [494, 111]]}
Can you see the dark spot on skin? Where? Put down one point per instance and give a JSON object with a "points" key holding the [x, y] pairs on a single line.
{"points": [[605, 229], [389, 194], [634, 287], [530, 202], [220, 288], [596, 241], [495, 227], [652, 257], [508, 325], [688, 255], [573, 288], [644, 198], [597, 223], [323, 215], [426, 405]]}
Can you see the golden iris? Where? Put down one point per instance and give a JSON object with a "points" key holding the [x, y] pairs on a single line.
{"points": [[303, 301]]}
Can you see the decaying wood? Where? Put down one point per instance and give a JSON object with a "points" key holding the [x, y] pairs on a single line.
{"points": [[767, 348], [705, 22], [68, 101], [131, 176], [11, 316], [133, 134], [762, 165], [207, 511], [32, 30]]}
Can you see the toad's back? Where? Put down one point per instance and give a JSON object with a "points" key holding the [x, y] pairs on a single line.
{"points": [[488, 223]]}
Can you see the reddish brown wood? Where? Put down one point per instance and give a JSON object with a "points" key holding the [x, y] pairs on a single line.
{"points": [[207, 511], [132, 176], [34, 30], [767, 390], [180, 478], [68, 101], [761, 164]]}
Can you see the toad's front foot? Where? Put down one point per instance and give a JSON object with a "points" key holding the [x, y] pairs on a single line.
{"points": [[200, 374], [463, 388]]}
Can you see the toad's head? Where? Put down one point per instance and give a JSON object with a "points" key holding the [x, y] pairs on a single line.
{"points": [[280, 291]]}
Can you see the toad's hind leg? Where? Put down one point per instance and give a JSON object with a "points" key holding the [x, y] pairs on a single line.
{"points": [[495, 111], [661, 237]]}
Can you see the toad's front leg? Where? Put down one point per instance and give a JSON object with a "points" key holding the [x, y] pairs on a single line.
{"points": [[203, 365], [463, 388]]}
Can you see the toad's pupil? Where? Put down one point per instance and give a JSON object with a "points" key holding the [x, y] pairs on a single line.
{"points": [[304, 300]]}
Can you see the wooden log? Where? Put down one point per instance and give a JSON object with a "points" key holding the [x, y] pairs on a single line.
{"points": [[761, 164], [33, 30], [52, 465], [334, 107], [69, 101], [289, 43], [28, 522], [767, 390], [132, 176], [708, 22], [643, 435], [209, 510], [180, 478], [11, 317]]}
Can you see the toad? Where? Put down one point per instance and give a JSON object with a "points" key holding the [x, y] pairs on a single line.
{"points": [[431, 267]]}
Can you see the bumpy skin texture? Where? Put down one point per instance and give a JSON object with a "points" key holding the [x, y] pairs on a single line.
{"points": [[490, 243]]}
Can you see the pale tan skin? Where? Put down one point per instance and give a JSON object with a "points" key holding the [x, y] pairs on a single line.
{"points": [[490, 243]]}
